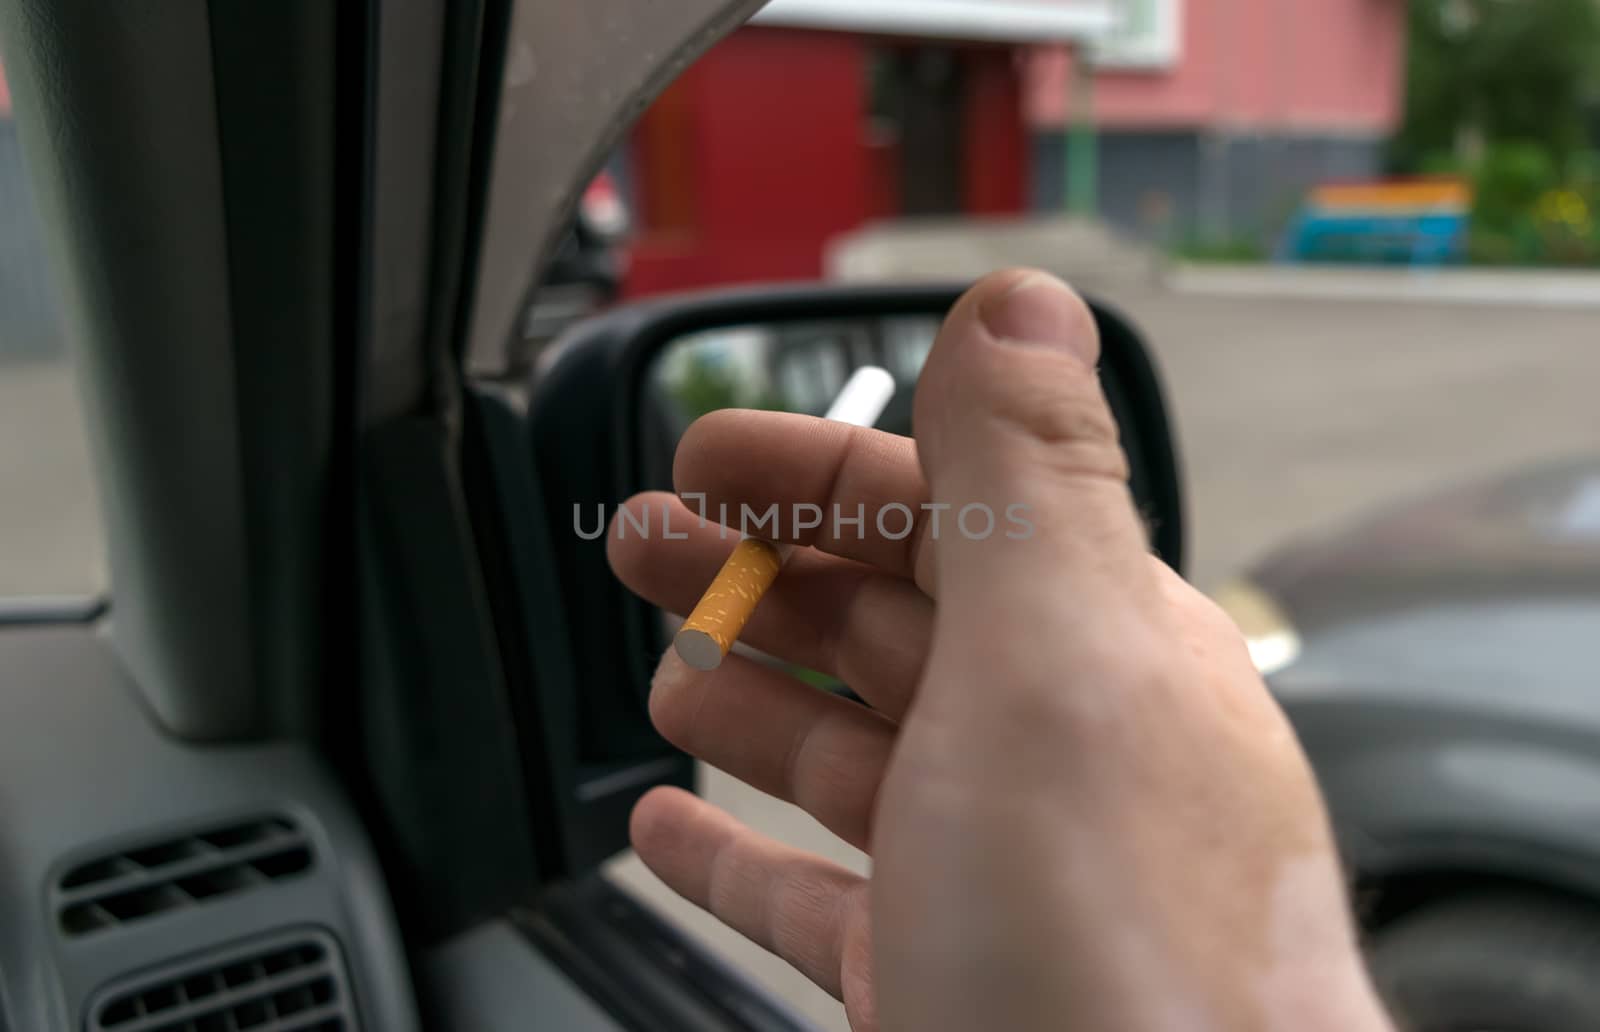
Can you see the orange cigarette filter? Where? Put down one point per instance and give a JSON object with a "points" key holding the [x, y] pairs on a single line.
{"points": [[716, 623], [719, 619]]}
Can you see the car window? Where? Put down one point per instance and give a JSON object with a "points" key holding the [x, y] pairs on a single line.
{"points": [[50, 541], [1362, 239]]}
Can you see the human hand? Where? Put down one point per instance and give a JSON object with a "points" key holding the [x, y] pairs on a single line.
{"points": [[1084, 809]]}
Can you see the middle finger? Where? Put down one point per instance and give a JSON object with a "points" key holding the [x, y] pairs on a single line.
{"points": [[859, 492], [782, 737], [869, 629]]}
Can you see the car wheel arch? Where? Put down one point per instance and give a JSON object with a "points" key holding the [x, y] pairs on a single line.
{"points": [[1382, 900]]}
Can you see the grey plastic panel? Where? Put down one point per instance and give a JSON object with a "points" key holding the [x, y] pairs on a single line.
{"points": [[130, 186], [189, 159], [83, 771], [301, 959], [577, 74], [492, 979]]}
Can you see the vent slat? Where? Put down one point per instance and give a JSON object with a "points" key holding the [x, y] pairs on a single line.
{"points": [[181, 872], [227, 999], [100, 870], [310, 1018], [295, 982], [186, 868]]}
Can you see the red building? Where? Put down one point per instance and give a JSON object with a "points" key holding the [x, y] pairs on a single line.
{"points": [[779, 139], [785, 136], [1211, 117]]}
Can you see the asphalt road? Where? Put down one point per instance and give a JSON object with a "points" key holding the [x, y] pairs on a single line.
{"points": [[1295, 415], [1292, 414]]}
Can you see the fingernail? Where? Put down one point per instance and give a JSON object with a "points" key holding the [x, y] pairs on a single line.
{"points": [[1041, 311]]}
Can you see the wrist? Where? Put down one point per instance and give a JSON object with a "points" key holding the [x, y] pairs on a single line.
{"points": [[1337, 999]]}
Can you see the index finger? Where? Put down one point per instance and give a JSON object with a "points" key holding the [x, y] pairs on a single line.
{"points": [[845, 490]]}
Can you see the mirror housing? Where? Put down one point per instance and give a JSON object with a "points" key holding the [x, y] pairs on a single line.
{"points": [[590, 450]]}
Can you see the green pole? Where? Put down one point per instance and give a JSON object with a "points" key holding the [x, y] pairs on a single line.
{"points": [[1082, 140]]}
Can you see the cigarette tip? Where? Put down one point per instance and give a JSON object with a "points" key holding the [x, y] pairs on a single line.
{"points": [[698, 649]]}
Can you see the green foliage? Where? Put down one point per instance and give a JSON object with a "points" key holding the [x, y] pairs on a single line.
{"points": [[1528, 209], [708, 385], [1565, 223], [1220, 250], [1509, 181], [1442, 163], [1496, 71], [1503, 93]]}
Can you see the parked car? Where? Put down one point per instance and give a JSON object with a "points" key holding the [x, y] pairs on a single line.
{"points": [[1438, 661]]}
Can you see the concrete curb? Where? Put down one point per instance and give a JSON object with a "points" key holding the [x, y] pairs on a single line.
{"points": [[1081, 251], [1536, 288]]}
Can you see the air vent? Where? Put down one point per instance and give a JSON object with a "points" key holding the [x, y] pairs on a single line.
{"points": [[293, 982], [181, 872]]}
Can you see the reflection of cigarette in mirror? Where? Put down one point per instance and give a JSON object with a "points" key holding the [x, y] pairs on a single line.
{"points": [[864, 398], [716, 623]]}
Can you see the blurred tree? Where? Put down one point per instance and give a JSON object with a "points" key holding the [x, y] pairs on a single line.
{"points": [[1488, 71], [709, 384]]}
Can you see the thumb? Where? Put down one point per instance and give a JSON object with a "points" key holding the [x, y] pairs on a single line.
{"points": [[1011, 421]]}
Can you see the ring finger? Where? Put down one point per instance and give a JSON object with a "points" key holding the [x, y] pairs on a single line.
{"points": [[868, 628], [782, 737]]}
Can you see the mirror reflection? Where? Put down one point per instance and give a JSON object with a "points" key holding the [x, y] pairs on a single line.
{"points": [[786, 367]]}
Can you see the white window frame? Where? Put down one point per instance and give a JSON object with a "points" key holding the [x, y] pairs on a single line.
{"points": [[1011, 21], [1156, 50]]}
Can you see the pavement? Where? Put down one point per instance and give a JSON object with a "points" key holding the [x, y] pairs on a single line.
{"points": [[1294, 415], [1579, 288], [1295, 410], [50, 539]]}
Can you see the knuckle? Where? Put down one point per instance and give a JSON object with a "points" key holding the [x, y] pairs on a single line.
{"points": [[673, 712], [736, 880], [1095, 460], [826, 772], [803, 904], [1094, 702], [1069, 417], [697, 446]]}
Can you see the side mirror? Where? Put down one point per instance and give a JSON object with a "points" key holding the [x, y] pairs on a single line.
{"points": [[653, 369], [604, 422]]}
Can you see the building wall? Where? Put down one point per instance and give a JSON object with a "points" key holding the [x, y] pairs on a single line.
{"points": [[1174, 185], [1265, 99], [1298, 66], [742, 173], [769, 146]]}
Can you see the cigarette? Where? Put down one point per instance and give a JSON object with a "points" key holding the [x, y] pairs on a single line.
{"points": [[864, 398], [707, 636]]}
